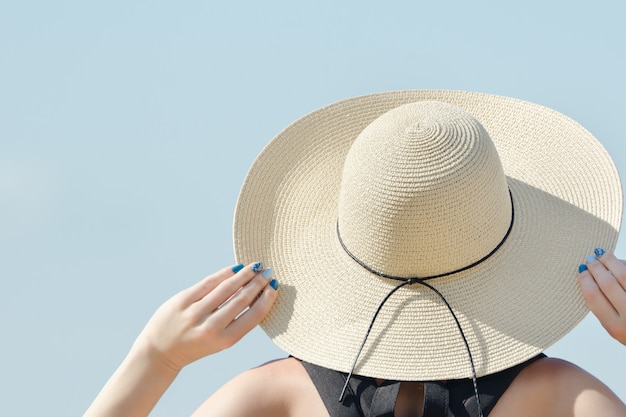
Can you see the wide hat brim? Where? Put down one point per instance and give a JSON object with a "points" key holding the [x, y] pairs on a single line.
{"points": [[567, 198]]}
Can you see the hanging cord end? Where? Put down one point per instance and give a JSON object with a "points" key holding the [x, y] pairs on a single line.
{"points": [[475, 382], [367, 333], [345, 387]]}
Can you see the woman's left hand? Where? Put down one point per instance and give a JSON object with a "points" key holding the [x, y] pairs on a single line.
{"points": [[602, 280]]}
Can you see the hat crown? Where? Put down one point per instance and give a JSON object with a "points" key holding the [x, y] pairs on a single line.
{"points": [[423, 192]]}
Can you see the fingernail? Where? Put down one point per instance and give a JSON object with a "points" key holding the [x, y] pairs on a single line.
{"points": [[599, 252], [582, 268], [274, 284], [267, 273], [257, 267], [590, 258], [237, 268]]}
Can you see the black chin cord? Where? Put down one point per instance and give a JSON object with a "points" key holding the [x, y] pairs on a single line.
{"points": [[422, 281], [411, 281]]}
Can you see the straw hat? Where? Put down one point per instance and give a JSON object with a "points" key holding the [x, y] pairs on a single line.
{"points": [[494, 201]]}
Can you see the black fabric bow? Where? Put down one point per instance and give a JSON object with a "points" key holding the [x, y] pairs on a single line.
{"points": [[454, 398]]}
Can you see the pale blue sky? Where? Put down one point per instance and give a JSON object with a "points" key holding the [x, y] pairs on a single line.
{"points": [[126, 129]]}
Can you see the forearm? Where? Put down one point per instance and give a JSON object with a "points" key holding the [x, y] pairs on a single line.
{"points": [[135, 387]]}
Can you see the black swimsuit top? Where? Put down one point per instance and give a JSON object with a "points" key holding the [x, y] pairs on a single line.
{"points": [[454, 398]]}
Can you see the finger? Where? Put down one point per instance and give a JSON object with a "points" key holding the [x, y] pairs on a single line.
{"points": [[254, 315], [596, 300], [616, 266], [225, 290], [608, 284], [208, 284], [243, 299]]}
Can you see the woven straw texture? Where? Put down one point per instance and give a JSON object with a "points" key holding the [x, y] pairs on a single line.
{"points": [[433, 199]]}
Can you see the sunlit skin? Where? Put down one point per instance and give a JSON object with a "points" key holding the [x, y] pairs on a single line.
{"points": [[218, 311]]}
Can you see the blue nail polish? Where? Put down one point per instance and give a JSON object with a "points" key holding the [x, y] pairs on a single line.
{"points": [[582, 268], [237, 268], [599, 252], [590, 258], [267, 273], [257, 267], [274, 284]]}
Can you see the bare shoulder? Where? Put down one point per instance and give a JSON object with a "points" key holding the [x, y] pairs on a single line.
{"points": [[554, 387], [280, 388]]}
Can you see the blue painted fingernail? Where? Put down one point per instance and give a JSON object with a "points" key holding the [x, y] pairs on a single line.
{"points": [[599, 252], [274, 284], [582, 268], [590, 258], [237, 268], [257, 267], [267, 273]]}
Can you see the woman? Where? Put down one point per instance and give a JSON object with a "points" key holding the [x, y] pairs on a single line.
{"points": [[420, 236]]}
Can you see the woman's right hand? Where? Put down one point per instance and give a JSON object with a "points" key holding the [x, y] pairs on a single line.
{"points": [[203, 319], [210, 316]]}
